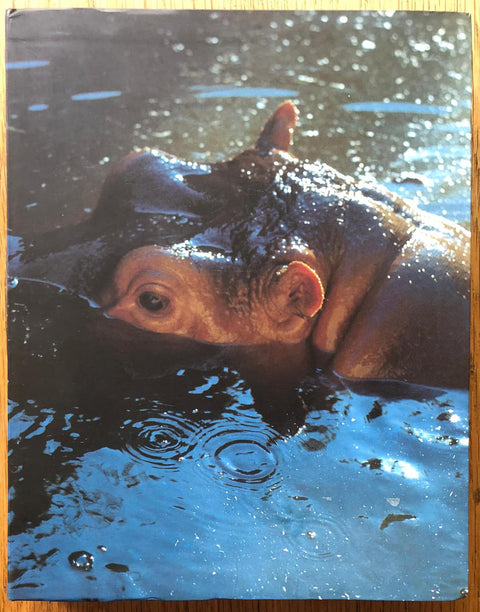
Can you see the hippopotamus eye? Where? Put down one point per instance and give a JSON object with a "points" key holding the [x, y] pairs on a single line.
{"points": [[153, 302]]}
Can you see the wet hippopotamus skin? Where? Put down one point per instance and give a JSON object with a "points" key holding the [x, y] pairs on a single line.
{"points": [[268, 250]]}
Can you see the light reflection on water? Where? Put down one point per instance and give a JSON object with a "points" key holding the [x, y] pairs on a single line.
{"points": [[277, 505], [396, 107], [96, 95], [244, 92], [26, 64]]}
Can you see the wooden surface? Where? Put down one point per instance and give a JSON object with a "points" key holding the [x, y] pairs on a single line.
{"points": [[472, 602]]}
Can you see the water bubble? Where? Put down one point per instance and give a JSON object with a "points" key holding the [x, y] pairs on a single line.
{"points": [[81, 560]]}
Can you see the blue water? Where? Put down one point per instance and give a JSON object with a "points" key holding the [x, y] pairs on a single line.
{"points": [[182, 482]]}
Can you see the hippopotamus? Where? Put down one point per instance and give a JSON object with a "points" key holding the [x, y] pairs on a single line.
{"points": [[268, 250]]}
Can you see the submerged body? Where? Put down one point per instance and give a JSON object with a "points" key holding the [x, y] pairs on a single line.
{"points": [[266, 249]]}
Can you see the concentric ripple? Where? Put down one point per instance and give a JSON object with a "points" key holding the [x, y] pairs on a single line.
{"points": [[320, 539], [162, 441], [246, 460], [313, 535], [241, 456]]}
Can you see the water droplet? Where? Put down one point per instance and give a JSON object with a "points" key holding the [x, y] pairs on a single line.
{"points": [[81, 560]]}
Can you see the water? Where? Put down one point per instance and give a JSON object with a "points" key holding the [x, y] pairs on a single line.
{"points": [[139, 475]]}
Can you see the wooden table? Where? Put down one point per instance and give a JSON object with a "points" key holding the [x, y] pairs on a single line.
{"points": [[472, 602]]}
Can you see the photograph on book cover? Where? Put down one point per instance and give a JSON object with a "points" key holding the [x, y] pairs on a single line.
{"points": [[238, 304]]}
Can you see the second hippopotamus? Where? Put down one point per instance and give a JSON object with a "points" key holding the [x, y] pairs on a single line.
{"points": [[290, 252]]}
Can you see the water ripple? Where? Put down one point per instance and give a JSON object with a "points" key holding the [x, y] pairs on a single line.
{"points": [[314, 533], [320, 540], [162, 441], [241, 455]]}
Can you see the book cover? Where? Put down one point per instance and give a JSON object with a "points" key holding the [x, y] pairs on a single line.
{"points": [[238, 304]]}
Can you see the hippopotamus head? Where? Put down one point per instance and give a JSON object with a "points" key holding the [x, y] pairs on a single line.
{"points": [[208, 289]]}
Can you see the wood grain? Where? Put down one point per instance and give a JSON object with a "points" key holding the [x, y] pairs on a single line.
{"points": [[472, 602]]}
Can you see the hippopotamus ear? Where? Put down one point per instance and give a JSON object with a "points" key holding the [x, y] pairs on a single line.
{"points": [[253, 170], [278, 130], [295, 295]]}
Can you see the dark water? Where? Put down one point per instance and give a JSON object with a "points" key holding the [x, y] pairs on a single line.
{"points": [[139, 475]]}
